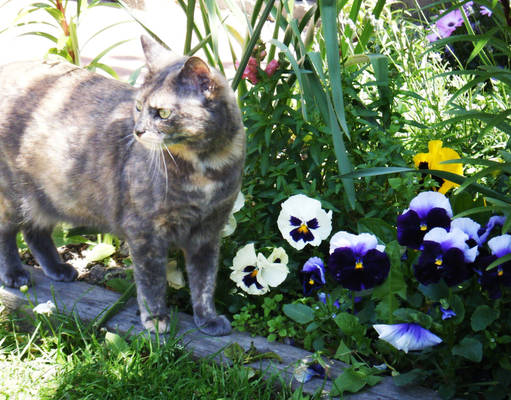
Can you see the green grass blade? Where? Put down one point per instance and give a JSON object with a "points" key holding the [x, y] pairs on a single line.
{"points": [[190, 10], [329, 18]]}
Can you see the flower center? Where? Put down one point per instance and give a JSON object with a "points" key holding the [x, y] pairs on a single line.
{"points": [[253, 273], [311, 282], [303, 228], [359, 265], [438, 263], [500, 271], [423, 227]]}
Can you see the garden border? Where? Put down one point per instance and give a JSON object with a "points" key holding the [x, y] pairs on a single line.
{"points": [[89, 300]]}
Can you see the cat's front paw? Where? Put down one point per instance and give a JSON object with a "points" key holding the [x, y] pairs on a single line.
{"points": [[61, 272], [218, 325], [15, 278], [160, 325]]}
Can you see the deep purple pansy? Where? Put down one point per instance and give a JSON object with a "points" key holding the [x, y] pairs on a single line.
{"points": [[312, 275], [444, 255], [427, 210], [492, 280], [357, 262]]}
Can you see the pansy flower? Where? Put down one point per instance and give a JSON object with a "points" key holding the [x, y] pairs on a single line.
{"points": [[470, 228], [496, 220], [407, 336], [312, 275], [485, 11], [308, 369], [255, 273], [433, 160], [444, 255], [491, 280], [357, 262], [427, 210], [447, 313], [302, 221]]}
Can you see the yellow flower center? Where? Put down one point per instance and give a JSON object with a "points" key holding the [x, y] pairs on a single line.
{"points": [[500, 272], [253, 273], [423, 227], [311, 282], [359, 265], [438, 261], [303, 228]]}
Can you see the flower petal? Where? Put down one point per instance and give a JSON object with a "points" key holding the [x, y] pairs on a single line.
{"points": [[424, 202], [500, 245], [272, 274], [407, 336]]}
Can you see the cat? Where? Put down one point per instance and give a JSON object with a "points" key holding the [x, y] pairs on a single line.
{"points": [[158, 166]]}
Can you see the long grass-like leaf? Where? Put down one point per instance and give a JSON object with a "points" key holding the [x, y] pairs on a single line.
{"points": [[251, 44], [109, 48], [190, 10], [329, 19]]}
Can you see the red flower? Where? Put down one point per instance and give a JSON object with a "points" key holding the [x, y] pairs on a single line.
{"points": [[272, 66]]}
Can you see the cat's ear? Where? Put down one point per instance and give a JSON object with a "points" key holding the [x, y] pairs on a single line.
{"points": [[155, 54], [197, 76]]}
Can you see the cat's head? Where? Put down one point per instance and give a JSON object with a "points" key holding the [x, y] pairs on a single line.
{"points": [[184, 104]]}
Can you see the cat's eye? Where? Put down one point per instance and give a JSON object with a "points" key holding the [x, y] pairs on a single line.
{"points": [[164, 113], [138, 105]]}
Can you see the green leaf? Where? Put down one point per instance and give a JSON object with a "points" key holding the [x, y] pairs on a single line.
{"points": [[299, 312], [384, 231], [349, 381], [469, 348], [99, 252], [411, 377], [115, 343], [435, 291], [343, 352], [482, 317], [349, 324]]}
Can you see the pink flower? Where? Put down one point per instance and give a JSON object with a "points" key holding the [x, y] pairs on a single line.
{"points": [[250, 72], [485, 11], [272, 66], [448, 23]]}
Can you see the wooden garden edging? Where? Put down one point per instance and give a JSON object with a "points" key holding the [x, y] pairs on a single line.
{"points": [[89, 300]]}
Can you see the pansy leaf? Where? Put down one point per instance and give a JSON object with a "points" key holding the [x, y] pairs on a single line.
{"points": [[350, 380], [459, 308], [343, 352], [349, 324], [435, 291], [414, 376], [482, 317], [299, 313], [386, 308], [469, 348], [411, 315], [381, 229]]}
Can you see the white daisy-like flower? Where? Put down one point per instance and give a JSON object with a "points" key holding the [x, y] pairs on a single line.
{"points": [[302, 221], [254, 273], [47, 308], [407, 336]]}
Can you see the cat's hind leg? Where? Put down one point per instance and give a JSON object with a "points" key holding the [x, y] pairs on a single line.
{"points": [[12, 273], [43, 249]]}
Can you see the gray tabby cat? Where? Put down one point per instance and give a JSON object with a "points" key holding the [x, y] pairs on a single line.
{"points": [[157, 166]]}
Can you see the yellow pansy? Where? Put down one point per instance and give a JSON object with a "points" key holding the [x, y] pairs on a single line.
{"points": [[433, 160]]}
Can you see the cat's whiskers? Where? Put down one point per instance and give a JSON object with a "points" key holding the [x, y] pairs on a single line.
{"points": [[166, 173]]}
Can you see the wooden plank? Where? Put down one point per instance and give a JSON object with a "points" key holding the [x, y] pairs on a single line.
{"points": [[88, 301]]}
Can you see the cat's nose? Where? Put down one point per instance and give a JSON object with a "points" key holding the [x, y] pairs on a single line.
{"points": [[139, 131]]}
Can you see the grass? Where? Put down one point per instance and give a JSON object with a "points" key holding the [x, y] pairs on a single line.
{"points": [[64, 359]]}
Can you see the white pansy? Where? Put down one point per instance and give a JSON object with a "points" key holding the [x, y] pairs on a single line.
{"points": [[302, 221]]}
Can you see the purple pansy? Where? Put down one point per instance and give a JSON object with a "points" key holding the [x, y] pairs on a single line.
{"points": [[496, 220], [357, 262], [312, 275], [491, 280], [485, 11], [427, 210], [407, 336], [447, 313], [444, 255]]}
